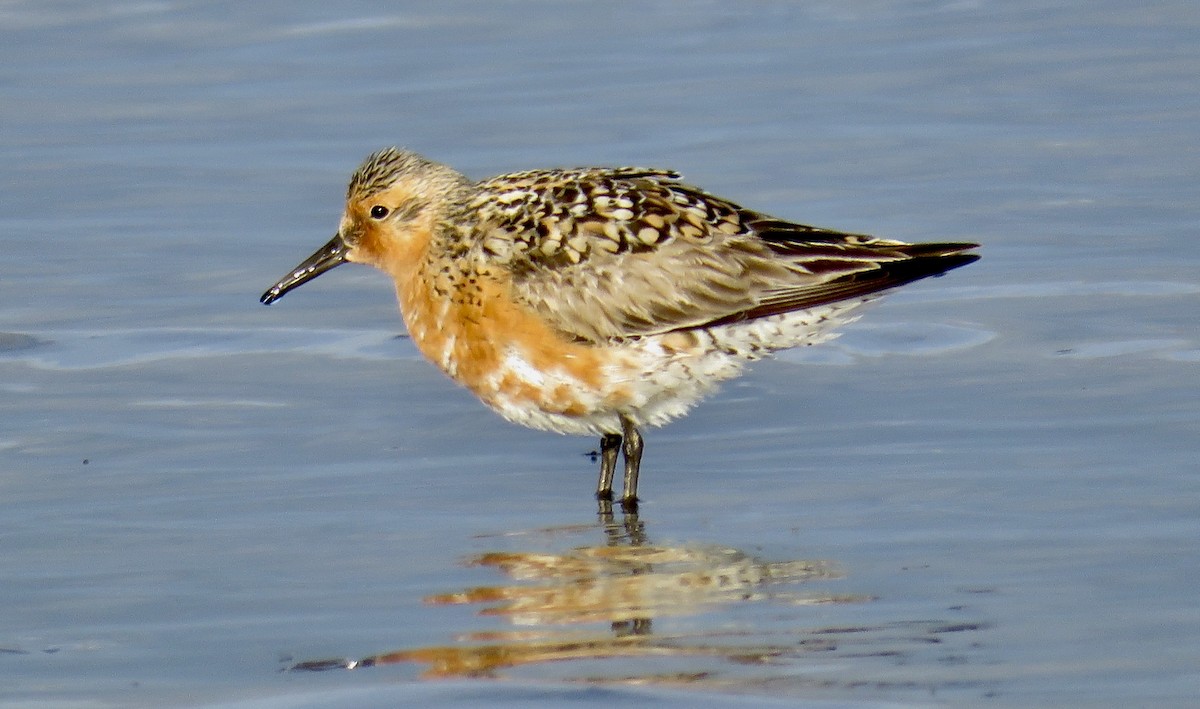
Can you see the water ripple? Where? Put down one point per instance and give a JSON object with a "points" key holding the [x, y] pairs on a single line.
{"points": [[93, 349]]}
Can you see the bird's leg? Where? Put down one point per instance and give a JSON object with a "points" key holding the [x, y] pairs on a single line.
{"points": [[633, 461], [610, 443]]}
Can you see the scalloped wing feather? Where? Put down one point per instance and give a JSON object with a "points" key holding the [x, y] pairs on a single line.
{"points": [[608, 254]]}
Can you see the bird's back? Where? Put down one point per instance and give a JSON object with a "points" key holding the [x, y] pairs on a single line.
{"points": [[611, 254]]}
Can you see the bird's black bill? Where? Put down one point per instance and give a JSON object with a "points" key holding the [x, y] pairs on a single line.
{"points": [[327, 257]]}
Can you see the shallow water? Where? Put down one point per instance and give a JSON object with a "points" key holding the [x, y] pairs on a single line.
{"points": [[984, 493]]}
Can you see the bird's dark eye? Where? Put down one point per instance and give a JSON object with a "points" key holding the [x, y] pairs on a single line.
{"points": [[379, 211]]}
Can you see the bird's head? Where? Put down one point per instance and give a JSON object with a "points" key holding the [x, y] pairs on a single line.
{"points": [[393, 204]]}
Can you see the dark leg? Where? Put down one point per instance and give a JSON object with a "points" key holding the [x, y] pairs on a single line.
{"points": [[633, 461], [610, 443], [637, 626]]}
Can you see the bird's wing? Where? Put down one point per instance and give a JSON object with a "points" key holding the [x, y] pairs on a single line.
{"points": [[604, 254]]}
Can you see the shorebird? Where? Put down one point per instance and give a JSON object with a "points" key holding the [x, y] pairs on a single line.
{"points": [[600, 300]]}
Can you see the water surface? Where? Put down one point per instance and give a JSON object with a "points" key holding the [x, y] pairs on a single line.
{"points": [[985, 493]]}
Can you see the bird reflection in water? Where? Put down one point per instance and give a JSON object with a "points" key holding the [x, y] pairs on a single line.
{"points": [[626, 582]]}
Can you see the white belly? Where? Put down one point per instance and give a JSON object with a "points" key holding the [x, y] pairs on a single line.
{"points": [[665, 375]]}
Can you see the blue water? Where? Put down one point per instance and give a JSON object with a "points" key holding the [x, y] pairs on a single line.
{"points": [[984, 493]]}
